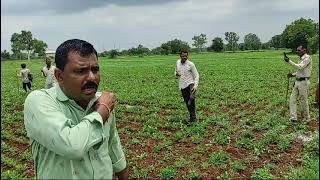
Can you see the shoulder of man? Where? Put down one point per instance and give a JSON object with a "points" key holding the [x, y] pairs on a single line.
{"points": [[190, 62], [39, 95], [307, 56]]}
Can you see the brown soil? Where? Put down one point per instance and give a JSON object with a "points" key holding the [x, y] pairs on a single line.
{"points": [[313, 125]]}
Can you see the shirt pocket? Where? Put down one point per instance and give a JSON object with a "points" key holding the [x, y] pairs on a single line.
{"points": [[103, 149]]}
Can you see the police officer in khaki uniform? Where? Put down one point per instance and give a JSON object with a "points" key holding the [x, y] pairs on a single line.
{"points": [[301, 84]]}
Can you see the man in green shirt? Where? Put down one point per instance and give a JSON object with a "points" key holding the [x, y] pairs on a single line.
{"points": [[72, 127]]}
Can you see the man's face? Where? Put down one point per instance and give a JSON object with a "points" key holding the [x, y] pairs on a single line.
{"points": [[48, 62], [300, 51], [183, 56], [80, 78]]}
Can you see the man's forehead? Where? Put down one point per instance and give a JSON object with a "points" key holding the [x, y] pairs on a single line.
{"points": [[76, 58], [300, 48]]}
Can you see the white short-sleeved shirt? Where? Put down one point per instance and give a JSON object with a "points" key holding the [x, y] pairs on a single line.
{"points": [[49, 73], [24, 75]]}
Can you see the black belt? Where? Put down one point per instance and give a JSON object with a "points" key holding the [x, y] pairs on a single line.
{"points": [[302, 78]]}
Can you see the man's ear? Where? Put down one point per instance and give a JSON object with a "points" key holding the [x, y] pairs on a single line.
{"points": [[58, 74]]}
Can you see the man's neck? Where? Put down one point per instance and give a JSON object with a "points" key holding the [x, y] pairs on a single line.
{"points": [[302, 55], [182, 62], [48, 66], [84, 105]]}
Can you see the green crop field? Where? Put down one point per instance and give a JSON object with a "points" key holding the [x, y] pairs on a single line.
{"points": [[243, 130]]}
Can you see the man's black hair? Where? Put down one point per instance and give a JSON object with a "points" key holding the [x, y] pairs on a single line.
{"points": [[81, 47], [304, 46], [183, 51], [23, 65]]}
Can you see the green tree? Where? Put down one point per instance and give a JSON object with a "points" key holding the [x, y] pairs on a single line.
{"points": [[199, 41], [298, 33], [25, 42], [141, 50], [104, 54], [124, 52], [265, 45], [276, 41], [40, 47], [217, 45], [16, 45], [158, 51], [313, 42], [232, 39], [252, 42], [113, 53], [5, 55], [175, 46], [241, 46]]}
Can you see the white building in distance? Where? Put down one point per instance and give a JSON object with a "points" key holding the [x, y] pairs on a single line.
{"points": [[50, 53]]}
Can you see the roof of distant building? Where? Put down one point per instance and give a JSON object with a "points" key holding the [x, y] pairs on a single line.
{"points": [[50, 52]]}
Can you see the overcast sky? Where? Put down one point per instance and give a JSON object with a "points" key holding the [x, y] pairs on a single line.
{"points": [[126, 23]]}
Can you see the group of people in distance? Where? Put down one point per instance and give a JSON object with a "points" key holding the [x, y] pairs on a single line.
{"points": [[47, 72], [72, 127]]}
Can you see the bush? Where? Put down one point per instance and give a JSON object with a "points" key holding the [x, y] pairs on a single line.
{"points": [[218, 158], [261, 173], [167, 173]]}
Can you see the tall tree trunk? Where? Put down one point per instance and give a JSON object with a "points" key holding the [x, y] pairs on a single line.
{"points": [[29, 52]]}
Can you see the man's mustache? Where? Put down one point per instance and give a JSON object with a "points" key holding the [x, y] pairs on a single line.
{"points": [[90, 85]]}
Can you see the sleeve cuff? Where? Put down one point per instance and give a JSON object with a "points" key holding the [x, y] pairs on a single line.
{"points": [[119, 165], [95, 116]]}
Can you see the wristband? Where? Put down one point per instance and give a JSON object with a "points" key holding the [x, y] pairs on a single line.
{"points": [[109, 111]]}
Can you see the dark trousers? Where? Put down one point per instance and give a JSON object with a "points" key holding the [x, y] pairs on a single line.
{"points": [[25, 85], [189, 99]]}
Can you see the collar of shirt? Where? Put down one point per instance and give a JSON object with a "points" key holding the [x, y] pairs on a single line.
{"points": [[304, 56], [184, 62], [62, 97]]}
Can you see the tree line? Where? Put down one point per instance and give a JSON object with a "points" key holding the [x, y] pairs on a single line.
{"points": [[23, 45], [301, 31]]}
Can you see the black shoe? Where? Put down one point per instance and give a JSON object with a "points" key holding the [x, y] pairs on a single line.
{"points": [[293, 120], [192, 120]]}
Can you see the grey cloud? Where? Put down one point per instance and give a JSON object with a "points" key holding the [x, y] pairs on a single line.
{"points": [[126, 24], [45, 7]]}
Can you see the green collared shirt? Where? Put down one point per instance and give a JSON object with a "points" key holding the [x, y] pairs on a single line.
{"points": [[69, 142]]}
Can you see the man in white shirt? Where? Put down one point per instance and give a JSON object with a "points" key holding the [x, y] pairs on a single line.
{"points": [[48, 72], [301, 85], [25, 75], [188, 77]]}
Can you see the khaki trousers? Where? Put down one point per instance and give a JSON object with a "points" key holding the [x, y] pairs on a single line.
{"points": [[300, 90]]}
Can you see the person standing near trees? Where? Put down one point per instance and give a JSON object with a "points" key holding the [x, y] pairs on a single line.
{"points": [[188, 77], [301, 84], [26, 77], [72, 127], [48, 72]]}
